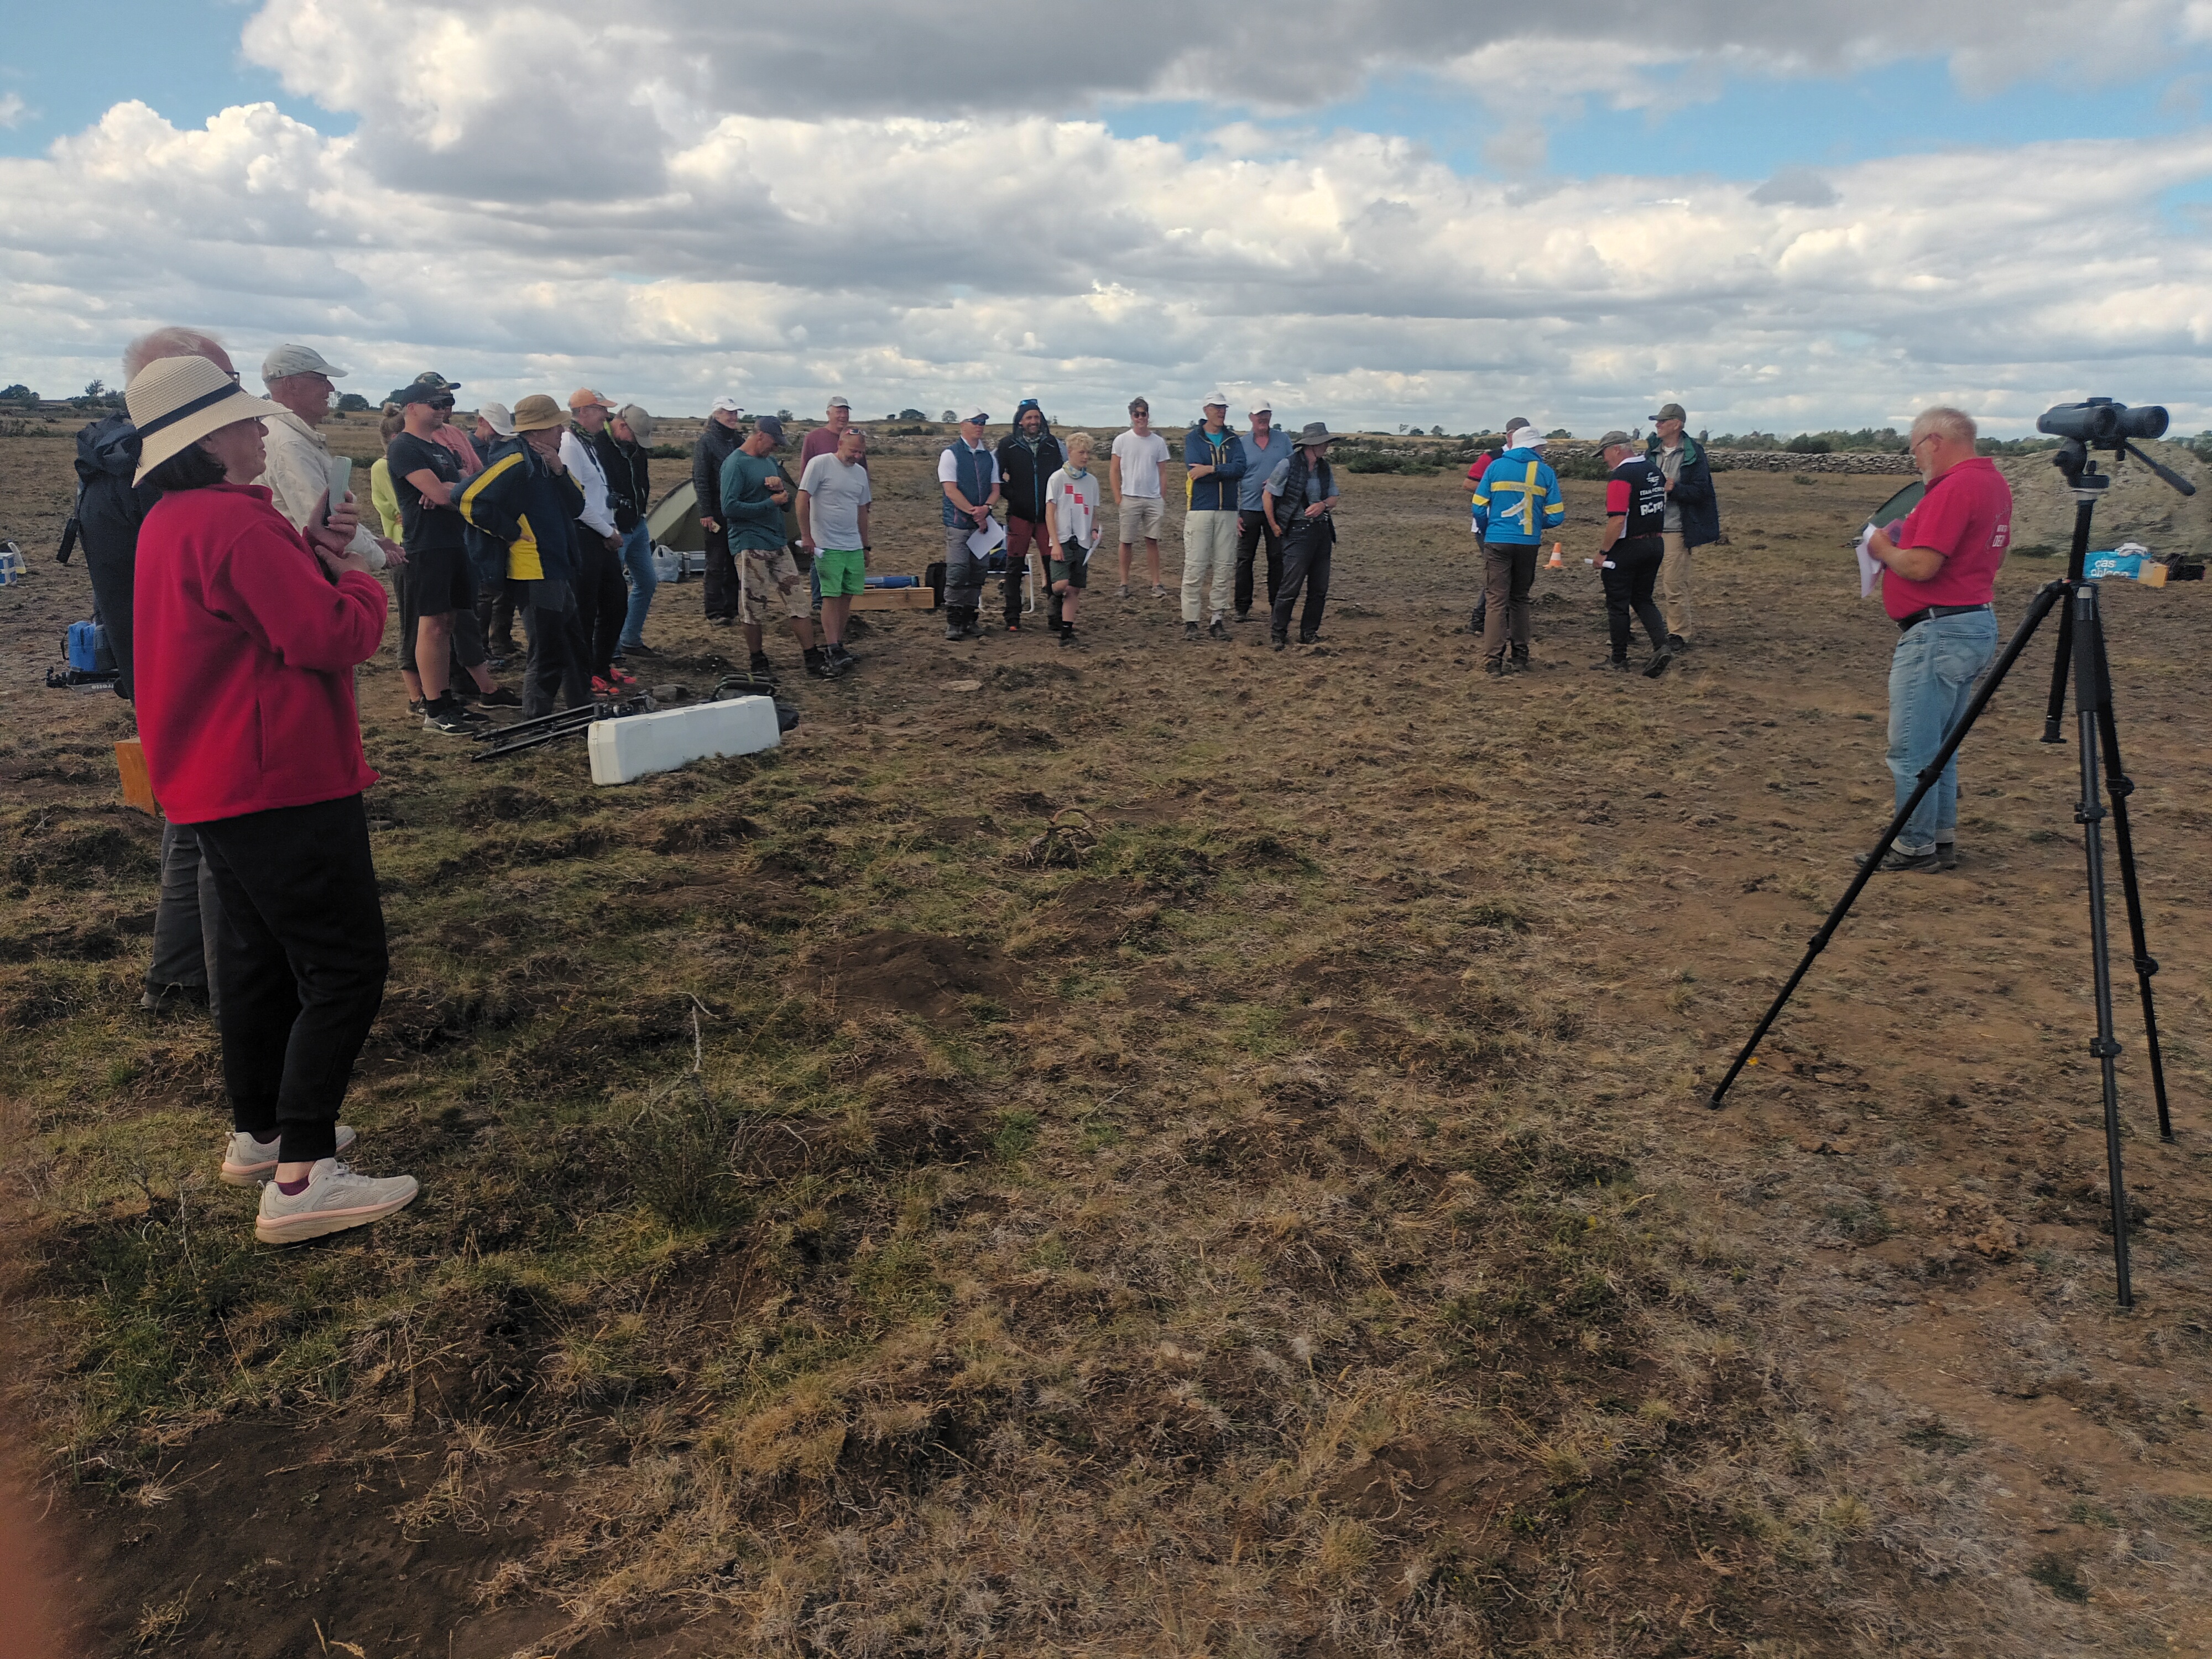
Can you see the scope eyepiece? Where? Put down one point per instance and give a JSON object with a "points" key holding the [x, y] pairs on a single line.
{"points": [[2102, 423]]}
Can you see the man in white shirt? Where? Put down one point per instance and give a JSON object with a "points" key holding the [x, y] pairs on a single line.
{"points": [[1134, 473], [833, 527], [602, 598], [297, 468], [968, 472]]}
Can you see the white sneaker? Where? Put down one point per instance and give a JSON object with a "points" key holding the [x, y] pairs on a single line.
{"points": [[334, 1199], [248, 1162]]}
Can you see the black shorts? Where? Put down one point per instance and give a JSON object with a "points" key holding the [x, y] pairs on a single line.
{"points": [[439, 580]]}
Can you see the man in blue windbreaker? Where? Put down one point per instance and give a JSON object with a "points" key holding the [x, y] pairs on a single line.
{"points": [[1516, 502]]}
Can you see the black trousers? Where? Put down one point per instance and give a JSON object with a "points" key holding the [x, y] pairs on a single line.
{"points": [[556, 665], [496, 603], [1305, 565], [720, 580], [602, 600], [1509, 572], [301, 962], [1252, 529], [1628, 587], [114, 574]]}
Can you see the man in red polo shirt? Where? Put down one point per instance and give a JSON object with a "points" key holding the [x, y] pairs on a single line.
{"points": [[1939, 587]]}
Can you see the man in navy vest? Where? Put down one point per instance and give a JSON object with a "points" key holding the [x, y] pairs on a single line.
{"points": [[968, 473]]}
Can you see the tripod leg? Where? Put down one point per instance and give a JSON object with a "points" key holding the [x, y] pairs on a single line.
{"points": [[2077, 558], [2090, 815], [2122, 786], [2039, 608]]}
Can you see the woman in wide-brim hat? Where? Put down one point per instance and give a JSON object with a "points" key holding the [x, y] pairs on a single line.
{"points": [[1298, 501], [249, 632]]}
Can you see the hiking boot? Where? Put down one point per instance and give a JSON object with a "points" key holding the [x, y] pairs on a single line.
{"points": [[1308, 639], [1219, 630], [1899, 859], [1277, 641], [334, 1199], [1657, 666], [760, 667], [1677, 644], [248, 1162], [819, 666], [844, 659], [448, 716], [1610, 666], [1947, 855], [498, 698], [1190, 632]]}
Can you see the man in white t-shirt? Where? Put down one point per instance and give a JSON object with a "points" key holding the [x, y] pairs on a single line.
{"points": [[833, 525], [968, 472], [1138, 455]]}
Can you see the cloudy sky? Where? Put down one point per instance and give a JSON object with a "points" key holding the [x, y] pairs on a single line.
{"points": [[1380, 211]]}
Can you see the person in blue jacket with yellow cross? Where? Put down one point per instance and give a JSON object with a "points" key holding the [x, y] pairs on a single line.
{"points": [[1517, 501]]}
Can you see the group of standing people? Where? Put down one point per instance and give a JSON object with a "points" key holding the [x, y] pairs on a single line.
{"points": [[1244, 491]]}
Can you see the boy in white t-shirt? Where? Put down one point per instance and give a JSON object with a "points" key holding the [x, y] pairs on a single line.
{"points": [[1138, 455], [1070, 518]]}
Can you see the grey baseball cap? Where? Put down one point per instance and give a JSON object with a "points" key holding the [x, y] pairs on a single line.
{"points": [[299, 360], [1617, 436]]}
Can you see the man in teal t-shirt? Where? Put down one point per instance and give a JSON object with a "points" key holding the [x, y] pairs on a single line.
{"points": [[754, 494]]}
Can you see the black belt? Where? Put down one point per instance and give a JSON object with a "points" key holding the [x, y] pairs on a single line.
{"points": [[1906, 625]]}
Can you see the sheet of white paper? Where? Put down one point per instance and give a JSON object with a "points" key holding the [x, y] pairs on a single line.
{"points": [[1870, 567], [988, 539]]}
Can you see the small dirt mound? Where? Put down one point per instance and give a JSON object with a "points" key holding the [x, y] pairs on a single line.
{"points": [[925, 973]]}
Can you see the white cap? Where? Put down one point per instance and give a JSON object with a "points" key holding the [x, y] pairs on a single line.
{"points": [[1219, 400], [496, 417], [1265, 406], [973, 412], [728, 406], [297, 360], [839, 403]]}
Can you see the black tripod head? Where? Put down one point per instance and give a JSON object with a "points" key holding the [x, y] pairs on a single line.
{"points": [[2100, 423]]}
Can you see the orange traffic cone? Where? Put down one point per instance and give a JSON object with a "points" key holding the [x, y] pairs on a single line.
{"points": [[1557, 563]]}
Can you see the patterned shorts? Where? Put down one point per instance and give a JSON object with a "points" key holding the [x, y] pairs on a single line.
{"points": [[769, 581]]}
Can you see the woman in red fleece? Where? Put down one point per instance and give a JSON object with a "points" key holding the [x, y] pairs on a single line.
{"points": [[248, 635]]}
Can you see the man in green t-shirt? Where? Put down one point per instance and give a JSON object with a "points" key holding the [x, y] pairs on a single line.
{"points": [[754, 496]]}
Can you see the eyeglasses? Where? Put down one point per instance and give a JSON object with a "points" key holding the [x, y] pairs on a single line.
{"points": [[1913, 447], [441, 402]]}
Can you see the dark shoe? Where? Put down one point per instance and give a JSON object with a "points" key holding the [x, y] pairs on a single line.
{"points": [[1219, 630], [495, 663], [173, 996], [1930, 860], [1190, 631], [1066, 634], [1308, 639], [1947, 855], [952, 630], [1243, 616], [1494, 665], [1610, 666], [504, 649], [1277, 640], [1677, 644], [1013, 625], [820, 666], [844, 659], [414, 707], [640, 649], [1657, 666], [721, 622], [760, 667], [498, 698], [448, 716]]}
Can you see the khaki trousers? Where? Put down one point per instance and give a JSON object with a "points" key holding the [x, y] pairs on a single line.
{"points": [[1674, 586], [1209, 562]]}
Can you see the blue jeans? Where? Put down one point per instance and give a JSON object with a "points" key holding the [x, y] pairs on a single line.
{"points": [[637, 559], [1931, 681]]}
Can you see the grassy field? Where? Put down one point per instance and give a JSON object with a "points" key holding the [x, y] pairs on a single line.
{"points": [[1176, 1149]]}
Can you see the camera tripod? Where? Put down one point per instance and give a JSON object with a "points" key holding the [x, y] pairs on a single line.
{"points": [[2081, 655]]}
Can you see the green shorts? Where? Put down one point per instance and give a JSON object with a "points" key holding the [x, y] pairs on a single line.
{"points": [[843, 571], [1074, 570]]}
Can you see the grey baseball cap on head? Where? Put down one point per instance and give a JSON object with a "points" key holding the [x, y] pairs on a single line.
{"points": [[298, 360], [1517, 422], [1672, 412], [771, 426], [1616, 436], [839, 403]]}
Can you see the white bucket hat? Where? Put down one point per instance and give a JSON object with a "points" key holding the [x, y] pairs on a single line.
{"points": [[177, 401]]}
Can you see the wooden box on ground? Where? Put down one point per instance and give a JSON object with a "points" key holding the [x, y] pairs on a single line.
{"points": [[896, 599]]}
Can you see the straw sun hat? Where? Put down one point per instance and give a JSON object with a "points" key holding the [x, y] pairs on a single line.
{"points": [[177, 401]]}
